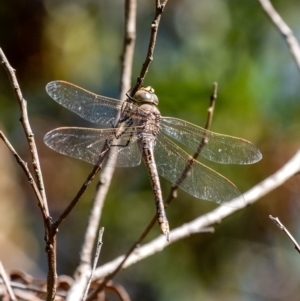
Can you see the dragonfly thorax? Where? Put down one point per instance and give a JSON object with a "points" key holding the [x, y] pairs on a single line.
{"points": [[146, 95]]}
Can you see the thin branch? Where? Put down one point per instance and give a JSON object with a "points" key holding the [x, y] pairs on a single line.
{"points": [[26, 126], [149, 58], [284, 29], [202, 143], [50, 235], [24, 166], [26, 296], [28, 287], [128, 46], [291, 168], [83, 270], [285, 230], [6, 282], [98, 249]]}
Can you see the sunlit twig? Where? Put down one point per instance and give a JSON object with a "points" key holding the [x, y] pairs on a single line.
{"points": [[98, 249], [285, 230], [6, 282], [84, 268], [152, 41], [284, 29]]}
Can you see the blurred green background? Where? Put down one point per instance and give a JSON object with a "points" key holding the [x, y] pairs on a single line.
{"points": [[199, 42]]}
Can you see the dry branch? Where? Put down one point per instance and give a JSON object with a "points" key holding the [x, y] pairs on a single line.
{"points": [[291, 168]]}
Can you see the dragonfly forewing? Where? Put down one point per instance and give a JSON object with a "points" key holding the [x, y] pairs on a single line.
{"points": [[92, 107], [88, 144], [201, 181], [219, 148]]}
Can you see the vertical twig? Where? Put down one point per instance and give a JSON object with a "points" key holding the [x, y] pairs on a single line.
{"points": [[83, 270], [289, 170], [26, 126], [98, 250], [149, 57], [128, 47], [202, 143]]}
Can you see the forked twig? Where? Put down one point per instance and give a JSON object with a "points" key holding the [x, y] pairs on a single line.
{"points": [[285, 230], [284, 29]]}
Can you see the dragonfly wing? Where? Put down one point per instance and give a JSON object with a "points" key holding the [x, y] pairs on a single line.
{"points": [[92, 107], [219, 148], [87, 144], [201, 181]]}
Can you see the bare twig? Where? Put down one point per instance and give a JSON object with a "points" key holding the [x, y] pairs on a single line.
{"points": [[98, 249], [284, 29], [291, 168], [6, 282], [24, 166], [84, 267], [50, 235], [285, 230], [202, 143], [79, 194], [149, 58], [26, 126]]}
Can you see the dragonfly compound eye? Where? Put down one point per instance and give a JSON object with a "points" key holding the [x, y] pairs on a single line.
{"points": [[146, 95]]}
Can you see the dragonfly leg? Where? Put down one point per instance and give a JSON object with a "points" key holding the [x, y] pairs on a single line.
{"points": [[119, 135]]}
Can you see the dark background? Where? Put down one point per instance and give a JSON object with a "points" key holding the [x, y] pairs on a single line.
{"points": [[199, 42]]}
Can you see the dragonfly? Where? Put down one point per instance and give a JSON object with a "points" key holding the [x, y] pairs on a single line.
{"points": [[138, 131]]}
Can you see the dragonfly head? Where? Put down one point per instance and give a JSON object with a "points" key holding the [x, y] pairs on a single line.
{"points": [[146, 95]]}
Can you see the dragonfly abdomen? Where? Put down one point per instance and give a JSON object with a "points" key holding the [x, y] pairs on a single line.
{"points": [[147, 146]]}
